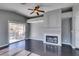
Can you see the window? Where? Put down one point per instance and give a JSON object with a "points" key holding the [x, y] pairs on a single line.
{"points": [[16, 32]]}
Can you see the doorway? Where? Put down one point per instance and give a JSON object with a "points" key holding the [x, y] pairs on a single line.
{"points": [[16, 31], [67, 31]]}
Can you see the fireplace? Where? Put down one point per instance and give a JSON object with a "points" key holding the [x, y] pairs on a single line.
{"points": [[54, 39]]}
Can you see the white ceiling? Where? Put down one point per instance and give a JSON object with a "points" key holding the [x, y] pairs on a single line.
{"points": [[23, 9]]}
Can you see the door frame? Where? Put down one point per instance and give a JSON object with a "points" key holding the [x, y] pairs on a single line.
{"points": [[17, 23], [70, 18]]}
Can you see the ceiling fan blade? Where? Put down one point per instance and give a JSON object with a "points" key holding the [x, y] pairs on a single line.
{"points": [[40, 11], [32, 12], [30, 9], [37, 13]]}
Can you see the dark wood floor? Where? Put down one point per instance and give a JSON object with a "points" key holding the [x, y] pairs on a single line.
{"points": [[37, 48], [16, 49], [51, 50]]}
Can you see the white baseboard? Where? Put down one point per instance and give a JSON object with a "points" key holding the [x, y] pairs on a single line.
{"points": [[37, 39], [4, 45], [73, 47], [70, 45]]}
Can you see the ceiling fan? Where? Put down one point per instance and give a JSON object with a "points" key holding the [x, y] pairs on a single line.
{"points": [[36, 10]]}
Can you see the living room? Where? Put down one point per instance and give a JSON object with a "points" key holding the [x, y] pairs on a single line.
{"points": [[52, 27]]}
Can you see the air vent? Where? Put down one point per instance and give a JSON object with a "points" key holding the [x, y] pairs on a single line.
{"points": [[64, 10]]}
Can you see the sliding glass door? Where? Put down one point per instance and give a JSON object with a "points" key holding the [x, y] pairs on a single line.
{"points": [[16, 32]]}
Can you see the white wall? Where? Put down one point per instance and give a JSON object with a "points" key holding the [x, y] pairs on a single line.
{"points": [[76, 25], [4, 18], [51, 25], [67, 15]]}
